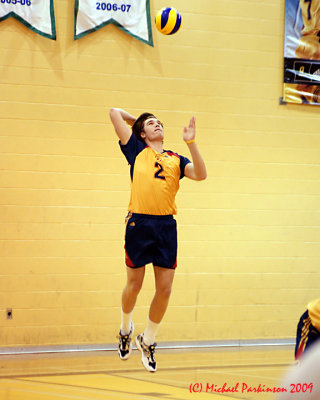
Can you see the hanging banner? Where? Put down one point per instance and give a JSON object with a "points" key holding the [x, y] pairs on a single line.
{"points": [[132, 16], [37, 15], [302, 52]]}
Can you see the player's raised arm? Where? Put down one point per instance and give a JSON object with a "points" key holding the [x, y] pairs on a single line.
{"points": [[197, 169], [120, 120]]}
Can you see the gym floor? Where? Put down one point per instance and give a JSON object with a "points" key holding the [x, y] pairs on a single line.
{"points": [[224, 373]]}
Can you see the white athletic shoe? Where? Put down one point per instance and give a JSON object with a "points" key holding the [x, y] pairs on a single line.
{"points": [[147, 354], [125, 345]]}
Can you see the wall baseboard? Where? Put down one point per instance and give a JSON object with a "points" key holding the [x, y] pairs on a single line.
{"points": [[163, 345]]}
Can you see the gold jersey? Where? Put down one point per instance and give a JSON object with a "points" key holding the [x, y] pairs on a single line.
{"points": [[309, 44], [154, 178], [310, 10], [314, 313]]}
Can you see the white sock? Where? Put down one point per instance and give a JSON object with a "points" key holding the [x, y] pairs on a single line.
{"points": [[125, 326], [150, 332]]}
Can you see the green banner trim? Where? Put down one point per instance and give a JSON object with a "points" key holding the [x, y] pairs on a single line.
{"points": [[53, 36]]}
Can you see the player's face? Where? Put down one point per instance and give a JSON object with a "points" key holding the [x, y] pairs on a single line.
{"points": [[153, 129]]}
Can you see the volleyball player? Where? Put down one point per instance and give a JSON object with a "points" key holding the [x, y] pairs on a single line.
{"points": [[151, 235], [309, 46], [308, 330]]}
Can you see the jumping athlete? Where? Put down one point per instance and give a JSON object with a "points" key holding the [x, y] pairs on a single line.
{"points": [[151, 234]]}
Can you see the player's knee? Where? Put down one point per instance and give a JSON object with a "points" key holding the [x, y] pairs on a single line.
{"points": [[134, 286], [164, 291]]}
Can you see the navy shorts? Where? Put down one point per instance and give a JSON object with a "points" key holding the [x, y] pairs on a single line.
{"points": [[306, 336], [151, 239]]}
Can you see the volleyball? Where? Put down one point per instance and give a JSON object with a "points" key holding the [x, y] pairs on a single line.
{"points": [[168, 20]]}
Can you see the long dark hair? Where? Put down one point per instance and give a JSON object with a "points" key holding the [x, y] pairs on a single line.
{"points": [[138, 126]]}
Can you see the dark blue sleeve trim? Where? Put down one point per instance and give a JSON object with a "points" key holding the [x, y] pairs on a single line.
{"points": [[183, 162], [132, 149]]}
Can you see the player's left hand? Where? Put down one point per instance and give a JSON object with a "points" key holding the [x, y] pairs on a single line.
{"points": [[189, 133]]}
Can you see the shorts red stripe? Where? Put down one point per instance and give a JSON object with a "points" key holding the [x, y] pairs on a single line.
{"points": [[129, 263]]}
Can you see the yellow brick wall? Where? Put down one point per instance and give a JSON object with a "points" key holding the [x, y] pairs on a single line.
{"points": [[249, 235]]}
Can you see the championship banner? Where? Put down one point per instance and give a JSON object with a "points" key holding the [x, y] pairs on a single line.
{"points": [[132, 16], [302, 52], [37, 15]]}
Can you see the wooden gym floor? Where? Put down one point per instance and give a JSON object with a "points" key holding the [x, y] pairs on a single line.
{"points": [[182, 374]]}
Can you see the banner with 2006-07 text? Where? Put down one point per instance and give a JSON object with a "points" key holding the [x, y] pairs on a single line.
{"points": [[132, 16], [302, 52], [37, 15]]}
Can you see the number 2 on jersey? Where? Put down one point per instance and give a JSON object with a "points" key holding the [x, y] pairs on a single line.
{"points": [[159, 171]]}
